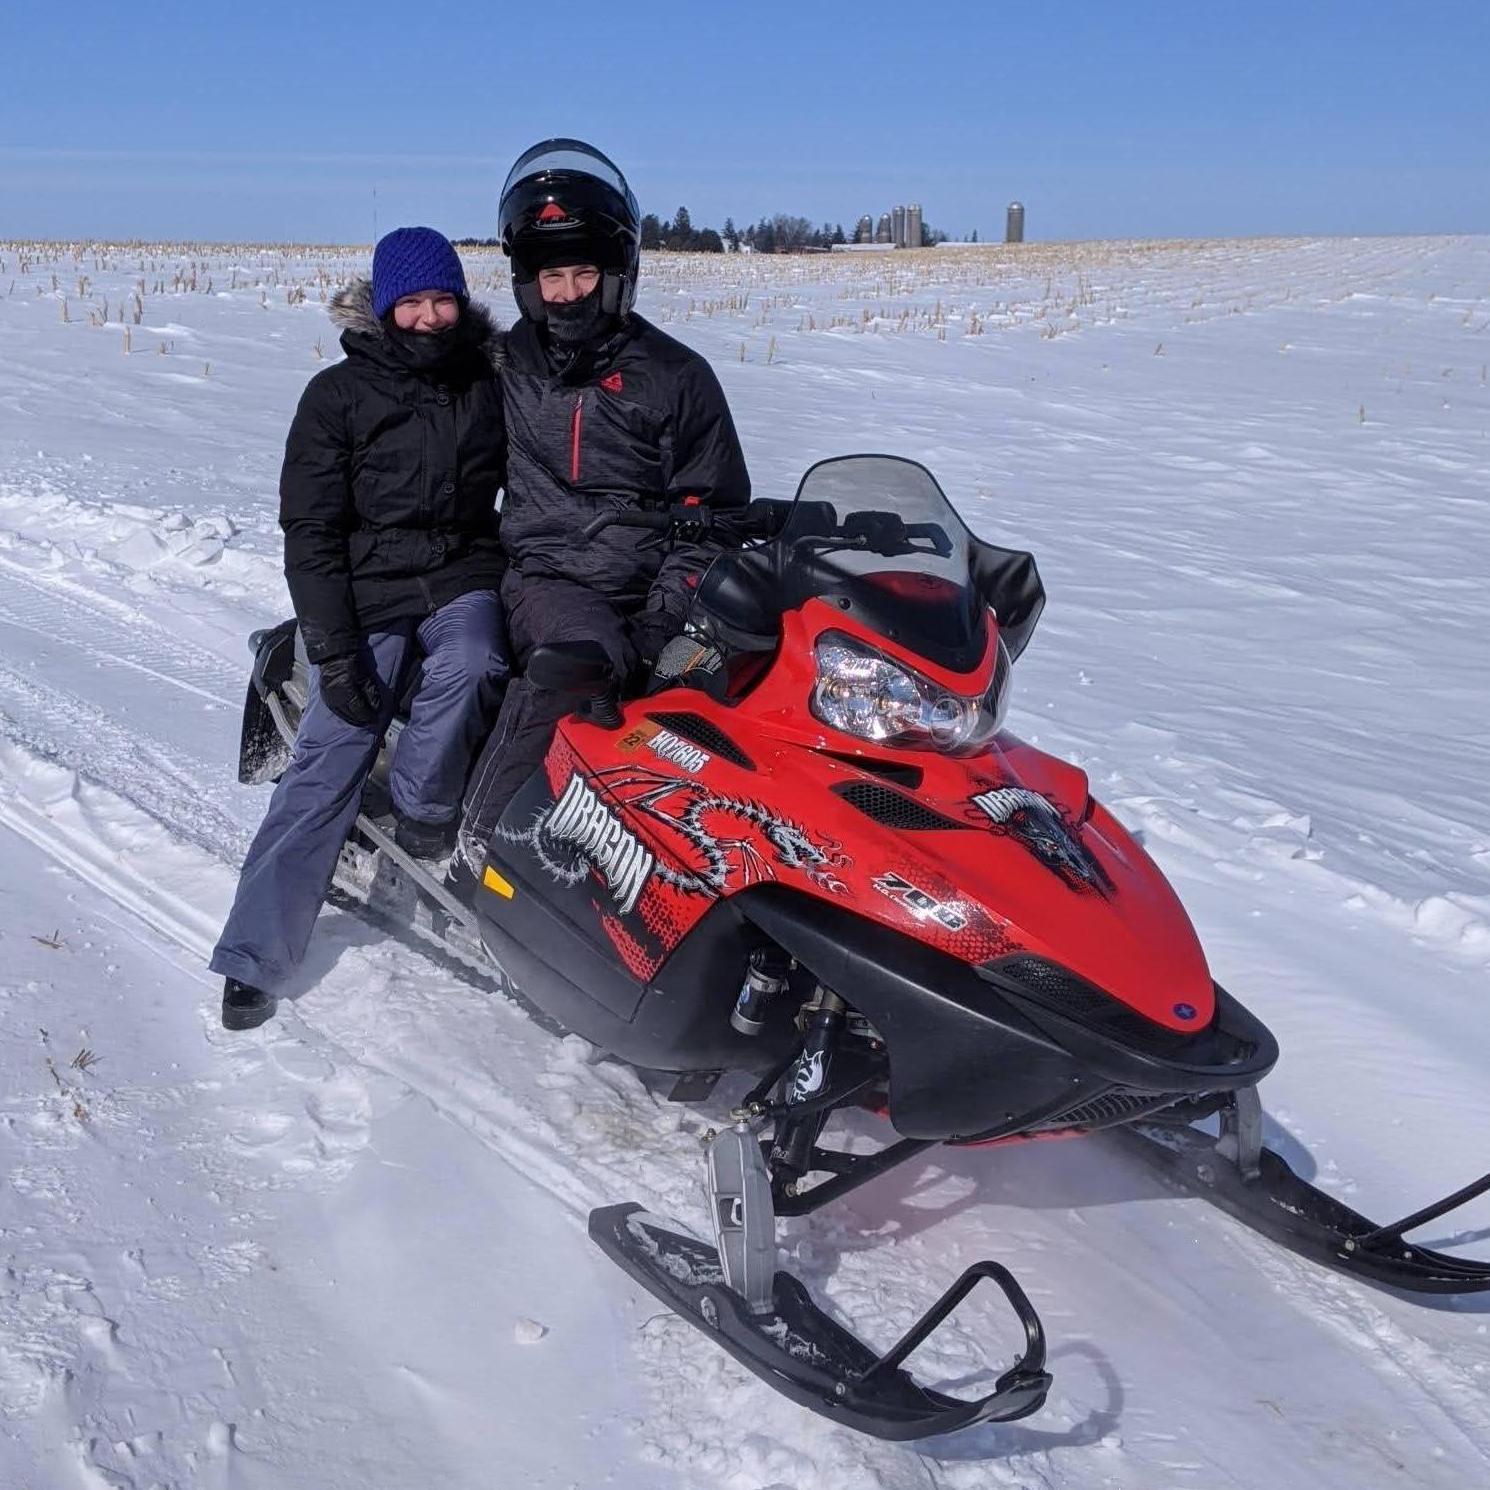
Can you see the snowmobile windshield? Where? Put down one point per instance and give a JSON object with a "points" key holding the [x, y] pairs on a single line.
{"points": [[876, 534], [572, 157]]}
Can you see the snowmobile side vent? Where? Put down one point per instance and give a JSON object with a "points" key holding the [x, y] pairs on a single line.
{"points": [[901, 774], [1116, 1105], [1056, 988], [703, 732], [894, 809]]}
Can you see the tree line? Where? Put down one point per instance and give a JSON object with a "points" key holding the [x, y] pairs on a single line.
{"points": [[779, 234], [771, 235]]}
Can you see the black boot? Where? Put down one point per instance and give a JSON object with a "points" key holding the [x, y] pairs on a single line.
{"points": [[425, 840], [376, 801], [245, 1007], [461, 879]]}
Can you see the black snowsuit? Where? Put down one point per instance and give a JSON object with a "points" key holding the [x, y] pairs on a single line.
{"points": [[387, 499], [634, 419]]}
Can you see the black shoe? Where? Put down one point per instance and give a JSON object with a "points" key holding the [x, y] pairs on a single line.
{"points": [[376, 802], [461, 880], [425, 840], [245, 1007]]}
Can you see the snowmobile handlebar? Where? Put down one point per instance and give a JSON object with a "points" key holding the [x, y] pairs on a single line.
{"points": [[763, 518], [766, 518]]}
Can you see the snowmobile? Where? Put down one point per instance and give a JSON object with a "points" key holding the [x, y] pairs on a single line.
{"points": [[811, 856]]}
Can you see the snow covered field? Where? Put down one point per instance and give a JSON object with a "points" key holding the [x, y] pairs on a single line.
{"points": [[348, 1249]]}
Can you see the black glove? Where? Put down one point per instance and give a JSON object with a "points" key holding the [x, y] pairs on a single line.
{"points": [[351, 690], [651, 632]]}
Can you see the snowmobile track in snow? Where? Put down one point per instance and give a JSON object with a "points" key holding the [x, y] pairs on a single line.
{"points": [[55, 606]]}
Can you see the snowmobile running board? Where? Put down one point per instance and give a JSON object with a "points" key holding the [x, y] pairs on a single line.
{"points": [[1264, 1193], [804, 1354]]}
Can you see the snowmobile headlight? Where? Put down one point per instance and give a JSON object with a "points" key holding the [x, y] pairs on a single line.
{"points": [[864, 693]]}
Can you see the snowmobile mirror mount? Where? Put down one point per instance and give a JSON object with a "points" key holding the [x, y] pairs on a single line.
{"points": [[584, 670], [579, 667]]}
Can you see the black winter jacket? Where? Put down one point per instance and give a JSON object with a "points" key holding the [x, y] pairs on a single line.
{"points": [[638, 418], [388, 494]]}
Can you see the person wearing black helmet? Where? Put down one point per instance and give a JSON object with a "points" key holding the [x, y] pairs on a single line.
{"points": [[603, 411]]}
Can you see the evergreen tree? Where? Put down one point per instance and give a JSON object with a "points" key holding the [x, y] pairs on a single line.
{"points": [[651, 231], [679, 233], [707, 241], [731, 235]]}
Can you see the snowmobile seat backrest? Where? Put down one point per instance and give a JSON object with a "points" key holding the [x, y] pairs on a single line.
{"points": [[274, 650]]}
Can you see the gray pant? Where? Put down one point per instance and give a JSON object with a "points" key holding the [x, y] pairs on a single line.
{"points": [[293, 856]]}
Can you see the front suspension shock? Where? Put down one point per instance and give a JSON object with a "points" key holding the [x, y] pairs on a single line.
{"points": [[791, 1149]]}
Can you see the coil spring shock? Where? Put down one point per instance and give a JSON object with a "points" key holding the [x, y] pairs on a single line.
{"points": [[791, 1148]]}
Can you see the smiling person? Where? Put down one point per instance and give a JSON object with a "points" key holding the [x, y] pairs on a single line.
{"points": [[604, 411], [388, 505]]}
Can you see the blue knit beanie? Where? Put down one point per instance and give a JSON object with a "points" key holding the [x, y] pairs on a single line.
{"points": [[410, 260]]}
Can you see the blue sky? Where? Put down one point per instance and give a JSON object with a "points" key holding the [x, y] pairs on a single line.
{"points": [[1108, 120]]}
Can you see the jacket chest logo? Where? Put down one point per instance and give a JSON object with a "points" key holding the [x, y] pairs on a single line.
{"points": [[612, 383]]}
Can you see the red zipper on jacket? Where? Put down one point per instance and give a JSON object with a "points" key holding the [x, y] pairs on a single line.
{"points": [[579, 404]]}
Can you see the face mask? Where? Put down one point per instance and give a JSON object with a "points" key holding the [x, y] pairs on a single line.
{"points": [[577, 321], [424, 349]]}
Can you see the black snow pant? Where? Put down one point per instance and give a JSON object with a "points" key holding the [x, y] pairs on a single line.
{"points": [[539, 609]]}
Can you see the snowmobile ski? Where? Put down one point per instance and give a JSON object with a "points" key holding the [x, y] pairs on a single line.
{"points": [[796, 1348], [1256, 1186]]}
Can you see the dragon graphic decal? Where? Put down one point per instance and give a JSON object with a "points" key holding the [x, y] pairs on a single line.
{"points": [[1038, 825], [723, 834], [719, 841]]}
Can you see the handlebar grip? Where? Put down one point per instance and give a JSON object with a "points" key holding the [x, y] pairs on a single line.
{"points": [[629, 517]]}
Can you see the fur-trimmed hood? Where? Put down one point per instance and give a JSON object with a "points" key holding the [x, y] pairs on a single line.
{"points": [[351, 309]]}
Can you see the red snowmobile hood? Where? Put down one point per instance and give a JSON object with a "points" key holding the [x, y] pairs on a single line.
{"points": [[1001, 855], [1012, 845]]}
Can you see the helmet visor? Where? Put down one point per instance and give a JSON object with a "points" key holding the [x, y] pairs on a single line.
{"points": [[567, 156]]}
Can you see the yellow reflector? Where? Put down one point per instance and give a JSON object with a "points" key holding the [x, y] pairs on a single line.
{"points": [[494, 881]]}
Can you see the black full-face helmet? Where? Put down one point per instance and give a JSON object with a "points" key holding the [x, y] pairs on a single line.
{"points": [[566, 203]]}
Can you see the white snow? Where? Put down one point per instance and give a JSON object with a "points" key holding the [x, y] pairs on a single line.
{"points": [[349, 1250]]}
